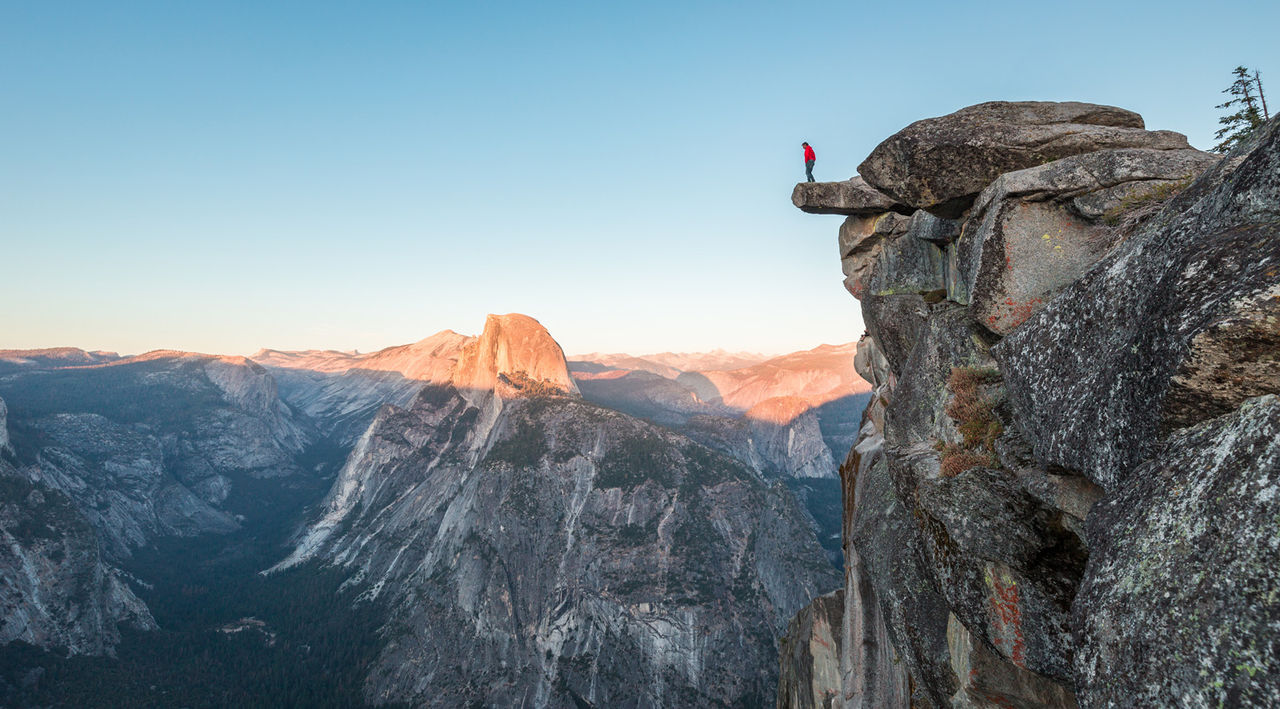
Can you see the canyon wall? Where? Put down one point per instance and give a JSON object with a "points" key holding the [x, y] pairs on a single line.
{"points": [[1066, 490]]}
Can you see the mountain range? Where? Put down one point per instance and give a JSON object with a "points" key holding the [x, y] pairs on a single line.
{"points": [[488, 522]]}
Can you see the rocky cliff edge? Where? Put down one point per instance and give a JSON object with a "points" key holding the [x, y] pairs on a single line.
{"points": [[1066, 491]]}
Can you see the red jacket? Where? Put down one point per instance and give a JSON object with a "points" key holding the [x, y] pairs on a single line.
{"points": [[808, 153]]}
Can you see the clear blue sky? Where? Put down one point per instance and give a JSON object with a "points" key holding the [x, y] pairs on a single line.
{"points": [[222, 176]]}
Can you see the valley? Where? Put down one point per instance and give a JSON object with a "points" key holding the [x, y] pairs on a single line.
{"points": [[301, 527]]}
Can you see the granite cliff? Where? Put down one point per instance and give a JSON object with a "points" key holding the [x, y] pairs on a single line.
{"points": [[1066, 489], [788, 418], [102, 456], [534, 549]]}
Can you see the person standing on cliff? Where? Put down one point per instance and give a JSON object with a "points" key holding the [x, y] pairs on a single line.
{"points": [[809, 159]]}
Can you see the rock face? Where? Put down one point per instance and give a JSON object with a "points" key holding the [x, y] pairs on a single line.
{"points": [[518, 528], [1064, 489], [341, 392], [809, 673], [784, 417], [511, 346], [1034, 231], [56, 589], [1179, 600], [941, 164], [4, 428], [1204, 271], [152, 446], [106, 458]]}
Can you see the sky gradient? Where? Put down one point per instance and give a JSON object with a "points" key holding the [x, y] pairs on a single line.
{"points": [[221, 177]]}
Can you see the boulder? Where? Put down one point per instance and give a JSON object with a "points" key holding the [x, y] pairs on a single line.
{"points": [[1178, 604], [1033, 231], [852, 197], [1102, 372], [870, 363], [941, 164], [1019, 255], [1088, 183]]}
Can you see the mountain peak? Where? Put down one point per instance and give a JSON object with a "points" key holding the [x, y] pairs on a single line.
{"points": [[511, 348]]}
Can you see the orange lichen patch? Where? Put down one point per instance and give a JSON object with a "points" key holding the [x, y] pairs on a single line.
{"points": [[1006, 618], [1012, 313]]}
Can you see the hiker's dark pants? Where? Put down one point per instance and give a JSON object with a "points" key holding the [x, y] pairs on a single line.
{"points": [[808, 170]]}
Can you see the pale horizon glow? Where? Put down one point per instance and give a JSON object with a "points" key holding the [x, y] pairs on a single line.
{"points": [[227, 177]]}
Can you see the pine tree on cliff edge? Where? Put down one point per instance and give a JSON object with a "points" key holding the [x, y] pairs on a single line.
{"points": [[1251, 110]]}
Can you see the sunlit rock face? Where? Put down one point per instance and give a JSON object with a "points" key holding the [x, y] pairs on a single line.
{"points": [[539, 550], [803, 399], [341, 391], [1062, 492], [51, 358], [511, 346]]}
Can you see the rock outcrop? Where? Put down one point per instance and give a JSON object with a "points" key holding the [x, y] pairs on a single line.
{"points": [[1035, 231], [1065, 488], [941, 164], [851, 197]]}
